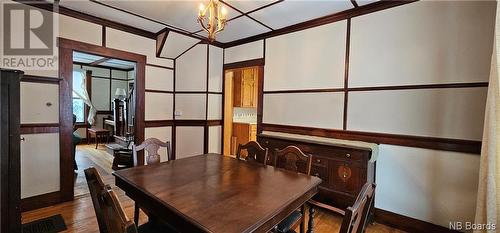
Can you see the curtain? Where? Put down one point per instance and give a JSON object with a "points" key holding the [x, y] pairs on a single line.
{"points": [[84, 95], [488, 200]]}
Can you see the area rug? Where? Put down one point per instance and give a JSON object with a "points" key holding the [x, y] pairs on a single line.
{"points": [[51, 224]]}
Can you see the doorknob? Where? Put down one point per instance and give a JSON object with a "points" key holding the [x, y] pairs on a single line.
{"points": [[22, 139]]}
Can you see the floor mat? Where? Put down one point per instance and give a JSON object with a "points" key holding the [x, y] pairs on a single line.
{"points": [[51, 224]]}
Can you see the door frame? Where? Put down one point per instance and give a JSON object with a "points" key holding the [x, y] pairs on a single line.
{"points": [[260, 62], [66, 49]]}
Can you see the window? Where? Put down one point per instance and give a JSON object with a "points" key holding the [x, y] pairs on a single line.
{"points": [[78, 103]]}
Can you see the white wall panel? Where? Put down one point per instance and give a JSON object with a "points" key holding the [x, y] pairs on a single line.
{"points": [[119, 74], [322, 110], [215, 65], [189, 141], [39, 164], [159, 79], [79, 30], [444, 44], [214, 107], [162, 133], [448, 113], [214, 139], [244, 52], [309, 59], [96, 71], [137, 44], [191, 70], [35, 98], [158, 106], [100, 94], [433, 186], [191, 106]]}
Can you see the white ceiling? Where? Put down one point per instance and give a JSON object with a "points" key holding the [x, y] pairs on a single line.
{"points": [[155, 15], [113, 63]]}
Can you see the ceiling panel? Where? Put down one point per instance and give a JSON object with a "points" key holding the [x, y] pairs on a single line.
{"points": [[246, 5], [364, 2], [101, 11], [118, 64], [291, 12], [181, 14], [177, 44], [239, 28]]}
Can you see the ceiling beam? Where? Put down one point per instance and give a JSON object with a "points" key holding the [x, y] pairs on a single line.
{"points": [[160, 42], [343, 15], [354, 3], [102, 60], [245, 14]]}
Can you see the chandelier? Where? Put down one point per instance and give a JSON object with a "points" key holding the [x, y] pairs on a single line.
{"points": [[216, 19]]}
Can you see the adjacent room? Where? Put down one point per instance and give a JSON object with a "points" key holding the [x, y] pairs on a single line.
{"points": [[229, 116]]}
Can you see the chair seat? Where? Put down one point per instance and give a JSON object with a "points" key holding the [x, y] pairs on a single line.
{"points": [[154, 227], [286, 225]]}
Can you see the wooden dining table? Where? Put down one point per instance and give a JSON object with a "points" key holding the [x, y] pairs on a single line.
{"points": [[216, 193]]}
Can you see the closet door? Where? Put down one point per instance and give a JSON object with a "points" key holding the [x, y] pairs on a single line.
{"points": [[10, 175]]}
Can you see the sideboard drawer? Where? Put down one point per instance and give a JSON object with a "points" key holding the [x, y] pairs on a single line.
{"points": [[346, 177]]}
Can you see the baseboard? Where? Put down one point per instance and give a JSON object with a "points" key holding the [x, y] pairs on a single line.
{"points": [[40, 201], [406, 223]]}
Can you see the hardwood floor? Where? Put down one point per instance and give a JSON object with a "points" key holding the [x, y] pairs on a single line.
{"points": [[79, 214]]}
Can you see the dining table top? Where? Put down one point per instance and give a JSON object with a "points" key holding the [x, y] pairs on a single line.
{"points": [[216, 193]]}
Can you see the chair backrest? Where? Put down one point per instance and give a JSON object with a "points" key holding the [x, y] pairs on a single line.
{"points": [[151, 145], [293, 159], [355, 217], [96, 187], [255, 152], [116, 219]]}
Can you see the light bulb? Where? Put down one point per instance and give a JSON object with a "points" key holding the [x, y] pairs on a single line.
{"points": [[201, 7], [223, 11]]}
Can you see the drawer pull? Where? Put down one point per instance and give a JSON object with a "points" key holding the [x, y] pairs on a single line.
{"points": [[318, 160], [348, 155], [316, 174]]}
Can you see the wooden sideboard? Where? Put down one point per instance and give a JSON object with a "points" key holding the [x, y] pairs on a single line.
{"points": [[344, 169]]}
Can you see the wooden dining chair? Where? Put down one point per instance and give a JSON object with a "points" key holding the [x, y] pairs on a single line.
{"points": [[255, 152], [152, 146], [111, 217], [293, 159], [355, 217]]}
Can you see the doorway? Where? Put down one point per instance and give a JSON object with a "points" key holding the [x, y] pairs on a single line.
{"points": [[68, 50], [103, 98], [242, 86]]}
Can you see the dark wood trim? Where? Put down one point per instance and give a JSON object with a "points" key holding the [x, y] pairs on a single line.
{"points": [[161, 38], [445, 144], [223, 102], [158, 66], [159, 91], [66, 49], [103, 67], [158, 123], [265, 6], [350, 13], [260, 99], [205, 129], [423, 86], [103, 36], [174, 131], [305, 91], [190, 122], [96, 63], [90, 18], [346, 71], [40, 79], [214, 122], [104, 112], [247, 63], [406, 223], [354, 3], [39, 128], [36, 202]]}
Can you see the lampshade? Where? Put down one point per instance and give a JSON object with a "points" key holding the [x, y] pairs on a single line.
{"points": [[120, 93]]}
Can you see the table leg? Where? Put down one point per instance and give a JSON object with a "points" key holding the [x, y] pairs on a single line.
{"points": [[88, 139], [96, 140], [302, 221], [136, 214], [310, 224]]}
